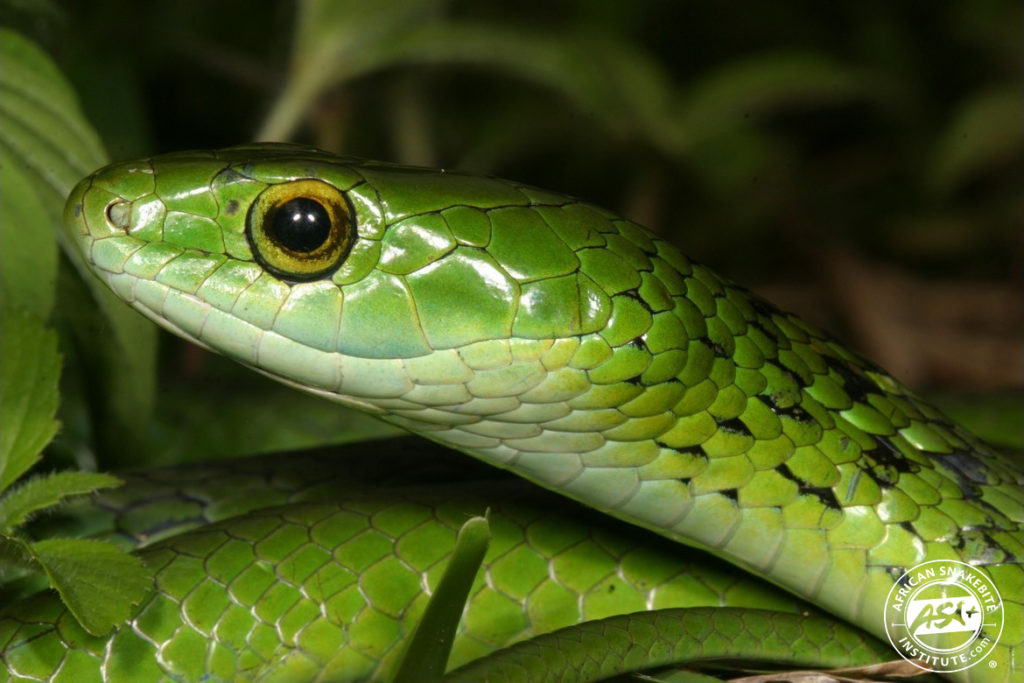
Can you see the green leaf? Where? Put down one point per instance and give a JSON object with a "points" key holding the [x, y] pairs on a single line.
{"points": [[98, 583], [995, 415], [28, 252], [41, 123], [426, 657], [328, 33], [338, 42], [726, 98], [609, 79], [29, 371], [46, 146], [42, 492], [606, 78], [18, 560], [984, 134]]}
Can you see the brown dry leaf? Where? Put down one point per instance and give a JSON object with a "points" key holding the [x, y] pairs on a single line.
{"points": [[963, 333], [927, 333], [895, 669]]}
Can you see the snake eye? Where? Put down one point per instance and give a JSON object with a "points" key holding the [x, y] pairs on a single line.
{"points": [[301, 229]]}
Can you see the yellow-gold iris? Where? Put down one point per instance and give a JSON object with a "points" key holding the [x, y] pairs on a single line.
{"points": [[301, 229]]}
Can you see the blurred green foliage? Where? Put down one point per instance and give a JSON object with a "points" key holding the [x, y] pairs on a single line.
{"points": [[892, 126]]}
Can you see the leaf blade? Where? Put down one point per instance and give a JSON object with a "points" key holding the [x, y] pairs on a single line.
{"points": [[28, 253], [426, 656], [45, 491], [46, 138], [99, 583], [29, 373]]}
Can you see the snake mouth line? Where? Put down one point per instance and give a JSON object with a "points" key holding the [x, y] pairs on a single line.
{"points": [[126, 286]]}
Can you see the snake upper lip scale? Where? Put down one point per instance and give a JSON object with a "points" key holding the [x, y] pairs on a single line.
{"points": [[555, 339]]}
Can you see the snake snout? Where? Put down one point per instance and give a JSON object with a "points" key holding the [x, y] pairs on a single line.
{"points": [[104, 212]]}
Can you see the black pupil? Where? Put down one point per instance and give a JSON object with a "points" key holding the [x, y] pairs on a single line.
{"points": [[300, 224]]}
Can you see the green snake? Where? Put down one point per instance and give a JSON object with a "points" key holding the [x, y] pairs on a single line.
{"points": [[539, 334]]}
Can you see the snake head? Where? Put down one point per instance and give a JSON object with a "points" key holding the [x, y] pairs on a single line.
{"points": [[326, 271]]}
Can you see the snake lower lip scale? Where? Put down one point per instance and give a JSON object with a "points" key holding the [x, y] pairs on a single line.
{"points": [[557, 340]]}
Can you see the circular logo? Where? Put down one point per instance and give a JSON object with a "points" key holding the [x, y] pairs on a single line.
{"points": [[945, 614]]}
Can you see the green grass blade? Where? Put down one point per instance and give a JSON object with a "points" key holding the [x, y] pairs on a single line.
{"points": [[427, 655]]}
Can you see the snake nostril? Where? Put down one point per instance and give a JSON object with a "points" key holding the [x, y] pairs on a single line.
{"points": [[119, 213]]}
